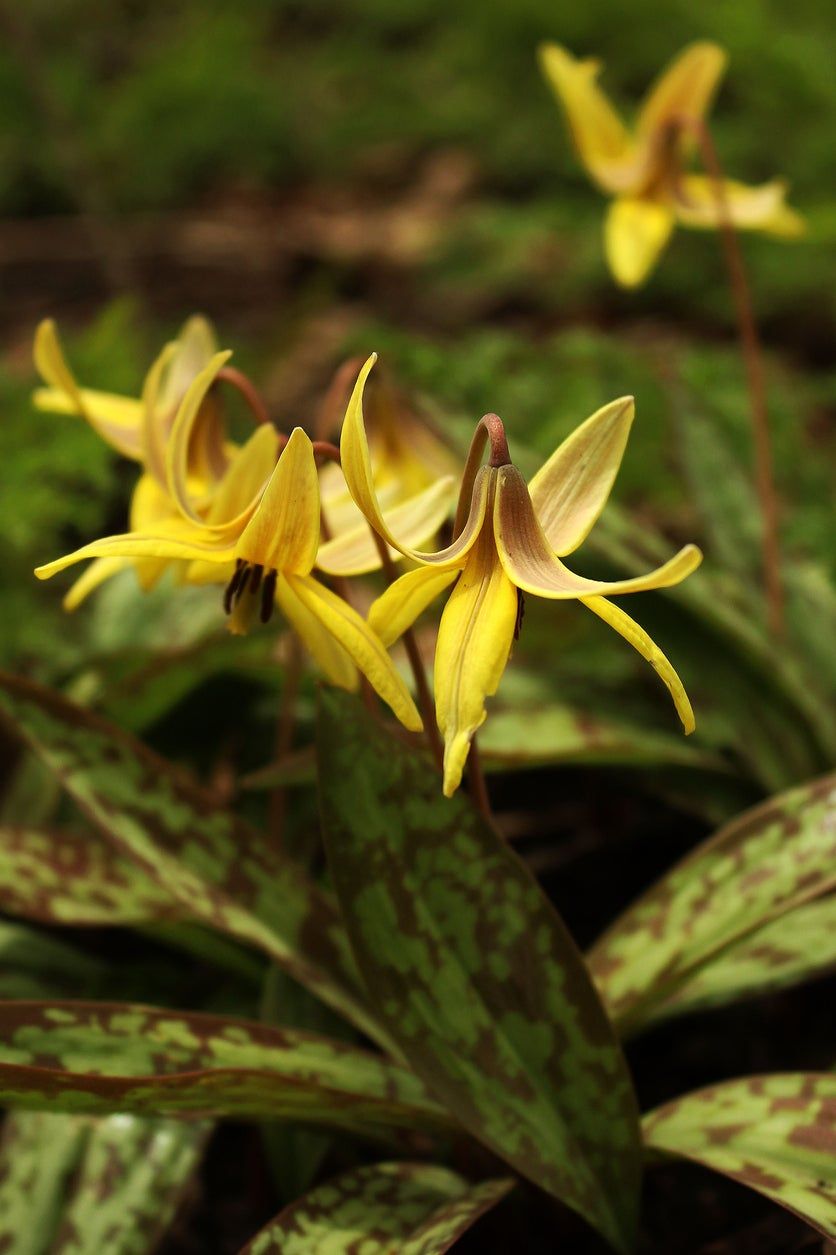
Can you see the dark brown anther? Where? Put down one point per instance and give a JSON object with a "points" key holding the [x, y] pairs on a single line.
{"points": [[520, 614], [232, 586], [268, 594], [258, 571]]}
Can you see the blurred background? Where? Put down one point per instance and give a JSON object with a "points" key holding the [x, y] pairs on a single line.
{"points": [[337, 176]]}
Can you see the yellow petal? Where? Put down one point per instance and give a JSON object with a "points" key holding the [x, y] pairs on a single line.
{"points": [[684, 90], [413, 522], [531, 564], [358, 640], [357, 469], [601, 139], [117, 419], [244, 482], [570, 491], [150, 506], [97, 573], [405, 599], [172, 540], [177, 454], [322, 645], [635, 232], [474, 641], [283, 533], [639, 639], [758, 208]]}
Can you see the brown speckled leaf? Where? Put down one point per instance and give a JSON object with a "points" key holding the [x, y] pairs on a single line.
{"points": [[776, 1134], [757, 868], [408, 1208], [474, 974]]}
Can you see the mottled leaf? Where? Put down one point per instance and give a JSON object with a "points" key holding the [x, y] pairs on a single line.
{"points": [[63, 877], [96, 1058], [411, 1208], [755, 869], [776, 1134], [77, 1185], [473, 972], [219, 869], [788, 950]]}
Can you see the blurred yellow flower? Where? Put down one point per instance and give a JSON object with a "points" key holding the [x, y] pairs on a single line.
{"points": [[644, 169], [509, 541]]}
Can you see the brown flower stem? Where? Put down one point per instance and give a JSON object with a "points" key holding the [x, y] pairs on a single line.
{"points": [[285, 728], [240, 382], [753, 364], [477, 785], [422, 687]]}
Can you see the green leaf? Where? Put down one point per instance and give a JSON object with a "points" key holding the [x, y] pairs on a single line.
{"points": [[35, 965], [760, 866], [221, 871], [411, 1208], [74, 1185], [474, 974], [788, 950], [776, 1134], [63, 877], [97, 1057]]}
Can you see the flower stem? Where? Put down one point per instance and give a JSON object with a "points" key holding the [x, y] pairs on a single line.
{"points": [[422, 687], [753, 364], [477, 785], [239, 381]]}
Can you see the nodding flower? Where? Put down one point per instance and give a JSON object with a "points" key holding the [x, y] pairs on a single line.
{"points": [[509, 540], [645, 169]]}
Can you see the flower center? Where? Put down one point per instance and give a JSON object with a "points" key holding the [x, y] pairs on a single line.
{"points": [[247, 579]]}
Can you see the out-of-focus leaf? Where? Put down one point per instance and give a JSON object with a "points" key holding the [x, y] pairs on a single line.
{"points": [[63, 877], [788, 950], [96, 1057], [776, 1134], [474, 974], [761, 865], [76, 1185], [411, 1208], [222, 872], [535, 737], [34, 965]]}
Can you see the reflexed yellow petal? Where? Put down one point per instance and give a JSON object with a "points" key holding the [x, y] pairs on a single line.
{"points": [[685, 89], [150, 507], [758, 208], [118, 420], [603, 142], [97, 573], [172, 540], [639, 639], [177, 455], [246, 478], [194, 347], [156, 428], [413, 522], [283, 533], [531, 564], [474, 642], [405, 599], [635, 232], [570, 491], [321, 644], [358, 640]]}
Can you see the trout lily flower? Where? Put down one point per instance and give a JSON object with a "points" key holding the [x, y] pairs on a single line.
{"points": [[645, 170], [267, 538], [509, 540], [140, 429]]}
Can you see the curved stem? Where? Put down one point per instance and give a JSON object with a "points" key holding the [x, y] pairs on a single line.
{"points": [[239, 381], [753, 364]]}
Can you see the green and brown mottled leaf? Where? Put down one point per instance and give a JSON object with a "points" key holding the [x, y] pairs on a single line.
{"points": [[220, 870], [776, 1134], [77, 1185], [96, 1058], [793, 948], [767, 862], [63, 877], [411, 1208], [474, 974]]}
